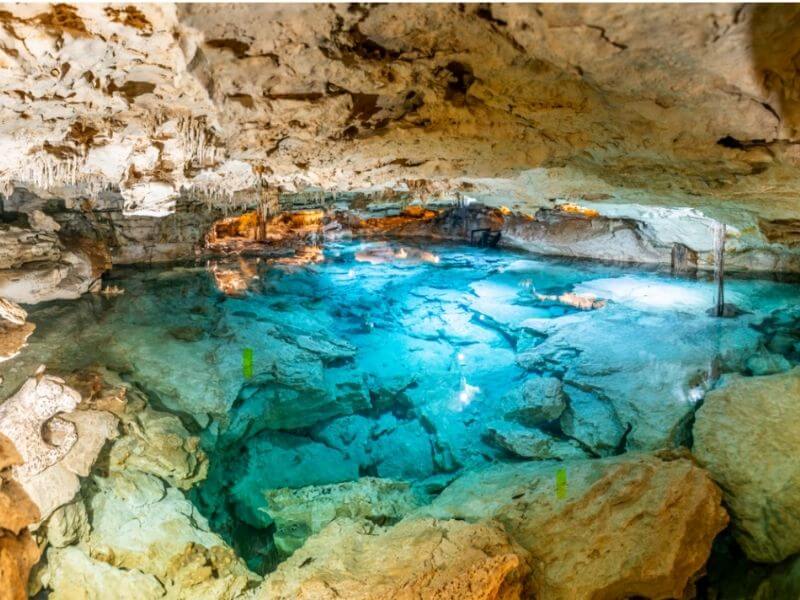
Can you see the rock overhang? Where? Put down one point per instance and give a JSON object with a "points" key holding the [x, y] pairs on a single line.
{"points": [[679, 106]]}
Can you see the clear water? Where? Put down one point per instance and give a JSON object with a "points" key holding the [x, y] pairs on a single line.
{"points": [[394, 360]]}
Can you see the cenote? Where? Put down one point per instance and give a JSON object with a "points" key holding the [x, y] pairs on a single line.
{"points": [[361, 382]]}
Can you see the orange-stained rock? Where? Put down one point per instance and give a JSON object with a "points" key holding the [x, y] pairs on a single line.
{"points": [[602, 529], [415, 559], [18, 554]]}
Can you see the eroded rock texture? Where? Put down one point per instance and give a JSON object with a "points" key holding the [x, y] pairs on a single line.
{"points": [[422, 558], [746, 436], [516, 104], [611, 528]]}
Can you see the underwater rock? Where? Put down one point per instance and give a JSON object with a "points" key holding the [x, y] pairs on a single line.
{"points": [[422, 558], [157, 442], [140, 523], [592, 421], [767, 363], [540, 399], [277, 460], [404, 453], [301, 513], [71, 574], [747, 434], [351, 435], [653, 387], [531, 442], [637, 525], [68, 524], [281, 400]]}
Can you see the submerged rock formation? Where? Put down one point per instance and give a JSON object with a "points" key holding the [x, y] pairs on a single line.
{"points": [[746, 435], [637, 525]]}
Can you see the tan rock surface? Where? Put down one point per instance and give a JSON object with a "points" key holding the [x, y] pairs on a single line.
{"points": [[636, 525], [747, 434], [424, 558], [300, 513], [18, 554]]}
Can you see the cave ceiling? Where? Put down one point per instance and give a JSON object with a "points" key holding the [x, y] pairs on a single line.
{"points": [[666, 105]]}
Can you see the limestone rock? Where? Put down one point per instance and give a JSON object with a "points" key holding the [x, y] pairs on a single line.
{"points": [[746, 435], [276, 460], [636, 525], [50, 467], [285, 400], [68, 524], [12, 312], [405, 453], [39, 221], [139, 523], [767, 363], [531, 442], [18, 554], [157, 442], [424, 558], [540, 399], [73, 575], [592, 421], [301, 513]]}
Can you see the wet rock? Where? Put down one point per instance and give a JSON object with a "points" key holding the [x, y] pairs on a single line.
{"points": [[19, 246], [277, 460], [746, 435], [69, 278], [766, 363], [68, 524], [531, 442], [157, 442], [352, 436], [424, 558], [540, 399], [71, 574], [140, 523], [652, 387], [592, 421], [283, 400], [404, 453], [637, 525], [187, 334], [301, 513]]}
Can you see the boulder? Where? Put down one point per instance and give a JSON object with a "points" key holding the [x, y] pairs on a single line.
{"points": [[637, 525], [592, 421], [539, 400], [157, 442], [405, 452], [350, 435], [277, 460], [55, 443], [68, 524], [767, 363], [140, 523], [18, 555], [282, 399], [747, 435], [71, 574], [423, 558], [300, 513], [531, 442]]}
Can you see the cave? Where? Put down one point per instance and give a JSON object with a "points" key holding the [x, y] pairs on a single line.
{"points": [[399, 301]]}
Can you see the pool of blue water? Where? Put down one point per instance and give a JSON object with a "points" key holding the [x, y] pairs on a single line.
{"points": [[410, 362]]}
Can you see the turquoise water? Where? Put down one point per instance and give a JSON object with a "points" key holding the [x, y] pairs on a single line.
{"points": [[407, 362]]}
